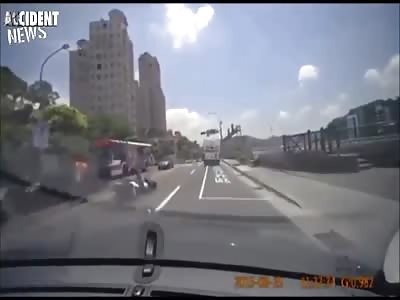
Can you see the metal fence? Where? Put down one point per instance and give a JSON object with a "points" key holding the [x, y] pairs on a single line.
{"points": [[332, 139]]}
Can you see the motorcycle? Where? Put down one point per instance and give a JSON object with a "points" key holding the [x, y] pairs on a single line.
{"points": [[129, 189]]}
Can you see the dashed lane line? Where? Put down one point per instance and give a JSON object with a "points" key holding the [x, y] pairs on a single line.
{"points": [[165, 201], [203, 183]]}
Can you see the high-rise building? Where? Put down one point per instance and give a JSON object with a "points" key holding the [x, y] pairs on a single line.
{"points": [[151, 99], [102, 70]]}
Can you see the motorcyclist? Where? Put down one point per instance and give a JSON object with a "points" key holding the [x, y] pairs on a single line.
{"points": [[139, 165]]}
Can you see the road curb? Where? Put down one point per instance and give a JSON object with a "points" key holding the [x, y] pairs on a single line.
{"points": [[267, 187]]}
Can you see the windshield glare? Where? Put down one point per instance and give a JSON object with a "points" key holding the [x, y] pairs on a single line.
{"points": [[251, 134]]}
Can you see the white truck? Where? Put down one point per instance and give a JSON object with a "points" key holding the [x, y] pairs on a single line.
{"points": [[211, 151]]}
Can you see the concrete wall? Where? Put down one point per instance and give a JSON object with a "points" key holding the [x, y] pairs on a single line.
{"points": [[379, 153], [308, 162]]}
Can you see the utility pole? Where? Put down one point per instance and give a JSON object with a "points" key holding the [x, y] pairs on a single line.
{"points": [[220, 130]]}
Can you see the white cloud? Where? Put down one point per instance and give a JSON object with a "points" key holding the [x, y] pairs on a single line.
{"points": [[372, 75], [189, 123], [343, 97], [62, 100], [308, 72], [303, 111], [388, 77], [248, 115], [283, 115], [336, 109], [331, 111], [184, 24]]}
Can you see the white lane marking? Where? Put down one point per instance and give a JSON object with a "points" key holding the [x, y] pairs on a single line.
{"points": [[232, 198], [203, 183], [162, 204], [192, 172]]}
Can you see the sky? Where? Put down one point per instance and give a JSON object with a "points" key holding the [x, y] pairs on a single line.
{"points": [[272, 68]]}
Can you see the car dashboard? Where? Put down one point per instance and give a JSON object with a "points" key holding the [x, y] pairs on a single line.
{"points": [[123, 282]]}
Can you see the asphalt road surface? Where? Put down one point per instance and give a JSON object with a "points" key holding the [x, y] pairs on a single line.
{"points": [[207, 213], [194, 188]]}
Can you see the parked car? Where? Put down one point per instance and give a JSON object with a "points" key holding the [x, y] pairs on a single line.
{"points": [[165, 164]]}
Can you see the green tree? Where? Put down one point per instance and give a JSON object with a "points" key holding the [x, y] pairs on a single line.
{"points": [[66, 119], [42, 93], [104, 125], [11, 84]]}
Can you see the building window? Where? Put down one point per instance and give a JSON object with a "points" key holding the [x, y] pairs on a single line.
{"points": [[99, 98], [106, 76], [111, 75], [104, 25], [98, 56], [98, 76], [98, 66]]}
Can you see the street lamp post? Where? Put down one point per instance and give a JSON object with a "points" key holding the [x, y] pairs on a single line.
{"points": [[42, 144], [63, 47]]}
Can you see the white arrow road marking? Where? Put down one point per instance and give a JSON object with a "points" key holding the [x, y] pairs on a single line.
{"points": [[162, 204], [192, 172]]}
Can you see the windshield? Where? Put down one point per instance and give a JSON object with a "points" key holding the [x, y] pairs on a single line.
{"points": [[280, 125]]}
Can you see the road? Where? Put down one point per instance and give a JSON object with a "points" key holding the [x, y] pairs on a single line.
{"points": [[214, 206], [383, 182], [193, 188]]}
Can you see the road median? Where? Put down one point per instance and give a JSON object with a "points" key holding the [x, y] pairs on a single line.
{"points": [[261, 183]]}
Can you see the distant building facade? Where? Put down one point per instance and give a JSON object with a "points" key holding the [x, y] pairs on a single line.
{"points": [[379, 117], [151, 100], [102, 70]]}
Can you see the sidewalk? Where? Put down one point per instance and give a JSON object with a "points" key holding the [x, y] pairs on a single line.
{"points": [[366, 221]]}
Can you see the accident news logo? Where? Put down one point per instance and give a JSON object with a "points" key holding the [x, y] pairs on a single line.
{"points": [[26, 26]]}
